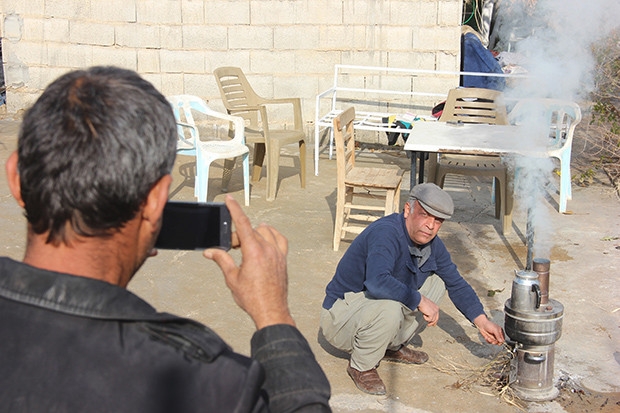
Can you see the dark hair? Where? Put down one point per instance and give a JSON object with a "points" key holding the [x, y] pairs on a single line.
{"points": [[90, 149]]}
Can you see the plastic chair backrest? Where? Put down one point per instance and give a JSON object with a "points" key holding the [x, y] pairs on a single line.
{"points": [[559, 117], [237, 93], [474, 105], [182, 106], [185, 123]]}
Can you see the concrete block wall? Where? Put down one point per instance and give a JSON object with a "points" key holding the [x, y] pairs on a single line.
{"points": [[286, 47]]}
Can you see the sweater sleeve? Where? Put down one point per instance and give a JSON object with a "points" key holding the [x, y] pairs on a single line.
{"points": [[294, 381]]}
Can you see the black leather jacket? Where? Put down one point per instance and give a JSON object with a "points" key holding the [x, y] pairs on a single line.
{"points": [[73, 344]]}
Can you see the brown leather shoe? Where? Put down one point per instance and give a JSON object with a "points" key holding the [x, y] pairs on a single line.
{"points": [[406, 355], [367, 381]]}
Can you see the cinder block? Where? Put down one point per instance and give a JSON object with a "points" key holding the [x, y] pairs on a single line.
{"points": [[263, 61], [200, 84], [334, 37], [448, 61], [171, 37], [25, 7], [405, 12], [215, 59], [115, 56], [318, 11], [441, 84], [364, 58], [449, 13], [181, 61], [113, 11], [205, 37], [299, 86], [296, 37], [396, 38], [413, 13], [437, 39], [80, 55], [250, 37], [137, 35], [172, 84], [20, 99], [56, 30], [33, 30], [28, 53], [366, 12], [58, 54], [159, 11], [312, 61], [65, 55], [273, 12], [227, 12], [42, 76], [148, 61], [192, 12], [91, 33], [73, 9], [409, 60]]}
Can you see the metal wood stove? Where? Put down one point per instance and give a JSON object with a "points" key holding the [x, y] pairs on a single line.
{"points": [[534, 323]]}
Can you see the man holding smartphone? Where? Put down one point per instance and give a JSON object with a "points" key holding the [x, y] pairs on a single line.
{"points": [[92, 173]]}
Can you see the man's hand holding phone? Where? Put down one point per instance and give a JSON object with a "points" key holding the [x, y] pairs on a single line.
{"points": [[259, 284]]}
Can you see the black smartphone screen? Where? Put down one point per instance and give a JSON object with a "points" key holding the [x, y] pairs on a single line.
{"points": [[195, 226]]}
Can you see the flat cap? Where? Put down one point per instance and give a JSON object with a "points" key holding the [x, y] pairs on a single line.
{"points": [[433, 199]]}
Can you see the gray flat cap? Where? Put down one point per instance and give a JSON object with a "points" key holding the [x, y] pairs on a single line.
{"points": [[433, 199]]}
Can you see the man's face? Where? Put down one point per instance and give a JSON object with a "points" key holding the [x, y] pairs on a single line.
{"points": [[421, 226]]}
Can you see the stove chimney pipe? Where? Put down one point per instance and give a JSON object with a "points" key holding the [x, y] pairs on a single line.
{"points": [[541, 267]]}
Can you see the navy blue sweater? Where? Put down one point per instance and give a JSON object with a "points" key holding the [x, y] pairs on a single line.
{"points": [[379, 262]]}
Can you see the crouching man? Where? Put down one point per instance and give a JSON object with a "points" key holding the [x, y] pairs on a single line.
{"points": [[388, 285]]}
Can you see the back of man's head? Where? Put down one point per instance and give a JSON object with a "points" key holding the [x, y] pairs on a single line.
{"points": [[90, 149]]}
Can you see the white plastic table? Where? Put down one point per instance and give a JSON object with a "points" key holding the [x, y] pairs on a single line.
{"points": [[468, 139]]}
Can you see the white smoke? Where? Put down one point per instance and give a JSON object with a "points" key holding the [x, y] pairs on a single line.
{"points": [[554, 39]]}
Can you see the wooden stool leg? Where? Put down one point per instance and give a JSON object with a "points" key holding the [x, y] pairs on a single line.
{"points": [[339, 221], [302, 162]]}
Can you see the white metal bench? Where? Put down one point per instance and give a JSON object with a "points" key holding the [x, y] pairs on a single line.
{"points": [[381, 92]]}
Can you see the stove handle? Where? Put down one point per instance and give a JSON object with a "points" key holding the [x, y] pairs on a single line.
{"points": [[536, 289], [534, 358]]}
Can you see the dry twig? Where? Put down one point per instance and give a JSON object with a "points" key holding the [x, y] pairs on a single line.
{"points": [[495, 374]]}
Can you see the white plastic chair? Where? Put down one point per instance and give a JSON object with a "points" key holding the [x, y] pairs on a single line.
{"points": [[207, 151], [560, 117]]}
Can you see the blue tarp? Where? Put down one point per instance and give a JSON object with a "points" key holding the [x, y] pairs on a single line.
{"points": [[477, 58]]}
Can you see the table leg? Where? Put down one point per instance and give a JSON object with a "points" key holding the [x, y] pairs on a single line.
{"points": [[412, 156], [421, 171]]}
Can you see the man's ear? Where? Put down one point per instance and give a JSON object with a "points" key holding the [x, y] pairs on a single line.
{"points": [[12, 176], [407, 209], [156, 199]]}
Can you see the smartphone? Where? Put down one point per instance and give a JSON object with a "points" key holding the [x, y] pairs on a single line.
{"points": [[195, 226]]}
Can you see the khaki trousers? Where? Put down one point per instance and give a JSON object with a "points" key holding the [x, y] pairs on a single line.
{"points": [[366, 327]]}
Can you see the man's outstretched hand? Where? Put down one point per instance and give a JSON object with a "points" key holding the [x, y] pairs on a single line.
{"points": [[491, 332], [259, 284]]}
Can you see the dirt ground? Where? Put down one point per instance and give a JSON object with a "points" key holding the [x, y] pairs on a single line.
{"points": [[584, 252]]}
